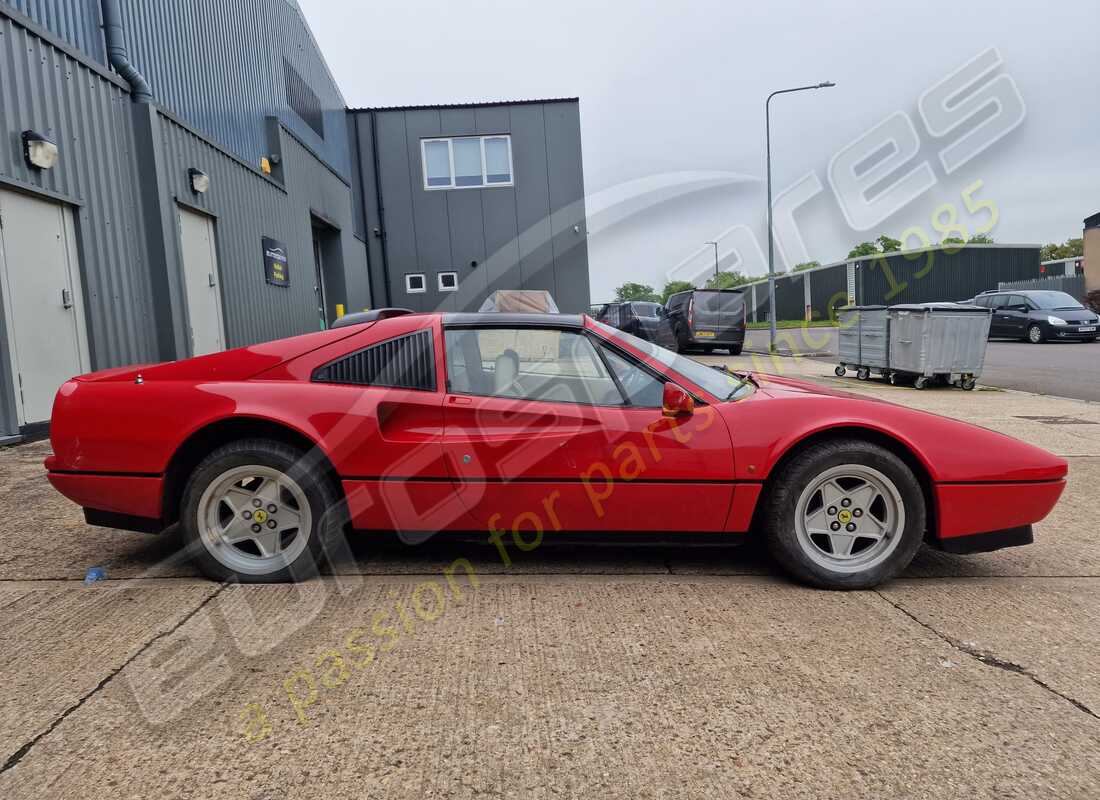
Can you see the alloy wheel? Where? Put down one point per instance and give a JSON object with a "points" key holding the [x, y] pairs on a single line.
{"points": [[254, 519], [849, 518]]}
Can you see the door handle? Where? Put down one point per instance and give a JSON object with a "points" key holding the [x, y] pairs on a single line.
{"points": [[460, 401], [66, 299], [213, 283]]}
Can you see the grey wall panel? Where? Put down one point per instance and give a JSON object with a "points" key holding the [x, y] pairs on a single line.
{"points": [[219, 66], [75, 22], [45, 89], [536, 250], [248, 207], [567, 209], [430, 217], [397, 190], [317, 191]]}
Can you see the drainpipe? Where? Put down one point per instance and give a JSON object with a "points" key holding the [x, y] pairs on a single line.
{"points": [[116, 52]]}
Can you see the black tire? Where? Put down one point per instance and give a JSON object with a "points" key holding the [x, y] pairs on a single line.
{"points": [[840, 371], [736, 349], [1035, 334], [325, 506], [787, 485]]}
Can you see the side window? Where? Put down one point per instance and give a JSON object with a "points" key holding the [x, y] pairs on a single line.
{"points": [[528, 363], [1017, 300], [407, 362], [640, 387]]}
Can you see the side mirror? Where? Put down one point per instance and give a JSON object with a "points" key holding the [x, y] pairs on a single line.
{"points": [[677, 402]]}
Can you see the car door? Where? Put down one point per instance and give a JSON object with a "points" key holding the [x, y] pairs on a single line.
{"points": [[1001, 323], [384, 428], [540, 437], [1015, 316]]}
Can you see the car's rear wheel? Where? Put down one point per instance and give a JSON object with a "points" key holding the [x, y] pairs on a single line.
{"points": [[846, 514], [1035, 334], [252, 512], [736, 349]]}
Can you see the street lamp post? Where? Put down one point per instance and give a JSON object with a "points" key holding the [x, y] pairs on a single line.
{"points": [[771, 241], [716, 286]]}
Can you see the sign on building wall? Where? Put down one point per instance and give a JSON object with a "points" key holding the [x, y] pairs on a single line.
{"points": [[276, 263]]}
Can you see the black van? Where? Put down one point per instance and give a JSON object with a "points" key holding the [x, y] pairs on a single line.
{"points": [[708, 319]]}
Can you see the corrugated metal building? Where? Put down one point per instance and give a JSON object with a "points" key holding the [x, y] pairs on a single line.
{"points": [[233, 203], [930, 274]]}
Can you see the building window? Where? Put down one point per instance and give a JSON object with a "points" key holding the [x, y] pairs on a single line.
{"points": [[303, 100], [467, 162], [448, 281], [415, 283]]}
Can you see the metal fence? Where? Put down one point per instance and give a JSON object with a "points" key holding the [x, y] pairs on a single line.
{"points": [[1072, 285]]}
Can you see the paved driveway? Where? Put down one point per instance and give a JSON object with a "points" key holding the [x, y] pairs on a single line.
{"points": [[1062, 369], [604, 672]]}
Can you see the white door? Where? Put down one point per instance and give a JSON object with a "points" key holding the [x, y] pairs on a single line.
{"points": [[43, 305], [200, 275]]}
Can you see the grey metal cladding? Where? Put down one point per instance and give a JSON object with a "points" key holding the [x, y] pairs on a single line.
{"points": [[567, 207], [246, 207], [219, 66], [75, 22], [45, 89], [529, 156], [406, 362]]}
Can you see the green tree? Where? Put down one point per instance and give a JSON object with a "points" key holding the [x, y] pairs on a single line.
{"points": [[672, 287], [888, 245], [953, 240], [636, 291], [806, 265], [981, 238], [863, 249], [1071, 248], [727, 280]]}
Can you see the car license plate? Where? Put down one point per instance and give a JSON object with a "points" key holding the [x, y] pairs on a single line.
{"points": [[1088, 330], [704, 334]]}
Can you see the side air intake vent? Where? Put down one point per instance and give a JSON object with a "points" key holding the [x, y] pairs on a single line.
{"points": [[407, 362]]}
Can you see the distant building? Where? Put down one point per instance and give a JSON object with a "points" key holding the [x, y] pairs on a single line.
{"points": [[184, 177], [433, 242]]}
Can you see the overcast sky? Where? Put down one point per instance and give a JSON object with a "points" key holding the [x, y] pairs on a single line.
{"points": [[672, 99]]}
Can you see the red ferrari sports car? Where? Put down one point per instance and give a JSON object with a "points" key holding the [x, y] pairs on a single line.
{"points": [[520, 424]]}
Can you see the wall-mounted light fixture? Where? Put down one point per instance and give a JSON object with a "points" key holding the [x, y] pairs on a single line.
{"points": [[265, 165], [200, 181], [39, 151]]}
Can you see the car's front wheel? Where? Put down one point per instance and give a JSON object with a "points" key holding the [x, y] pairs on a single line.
{"points": [[845, 514], [1035, 334], [254, 513]]}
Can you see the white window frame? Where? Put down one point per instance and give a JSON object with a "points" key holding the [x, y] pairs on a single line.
{"points": [[449, 140], [439, 281], [423, 283]]}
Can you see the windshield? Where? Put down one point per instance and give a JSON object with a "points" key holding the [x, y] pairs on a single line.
{"points": [[724, 385], [648, 310], [718, 301], [1051, 300]]}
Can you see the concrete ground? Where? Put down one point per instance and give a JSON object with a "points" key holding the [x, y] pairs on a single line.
{"points": [[576, 672], [1063, 369]]}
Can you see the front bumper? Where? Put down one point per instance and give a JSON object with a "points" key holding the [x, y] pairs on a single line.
{"points": [[987, 542], [978, 517]]}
